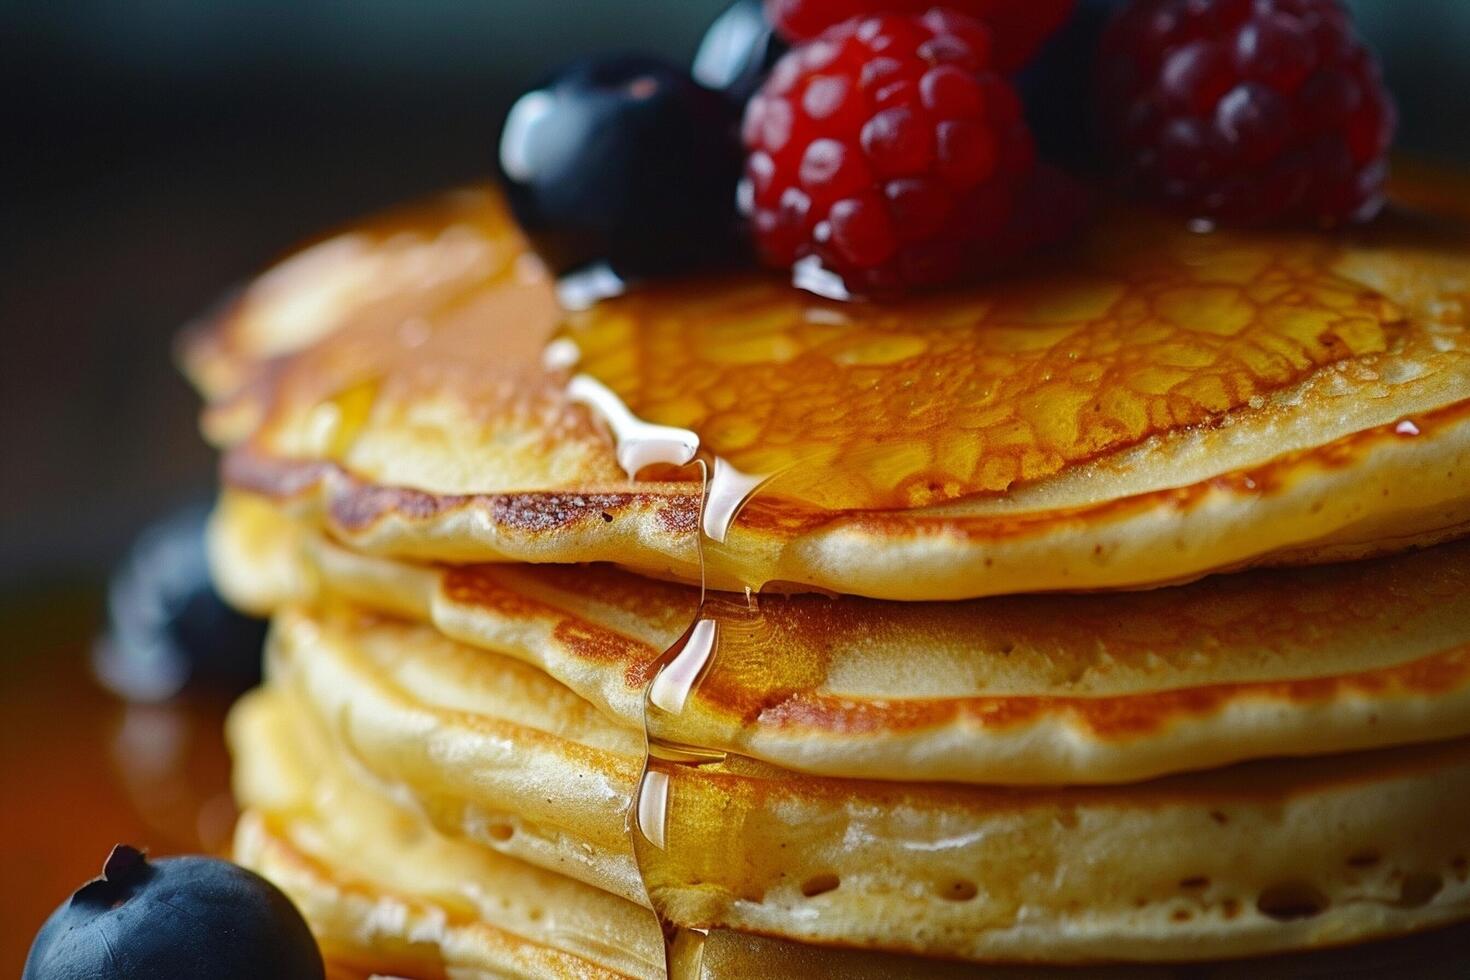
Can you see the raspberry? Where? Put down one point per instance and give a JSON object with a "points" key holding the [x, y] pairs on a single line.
{"points": [[1019, 25], [1247, 111], [890, 151]]}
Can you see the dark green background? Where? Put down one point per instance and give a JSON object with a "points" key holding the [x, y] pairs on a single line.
{"points": [[493, 45], [154, 153]]}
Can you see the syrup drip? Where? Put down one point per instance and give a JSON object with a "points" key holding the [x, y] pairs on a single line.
{"points": [[721, 625], [716, 623], [672, 681]]}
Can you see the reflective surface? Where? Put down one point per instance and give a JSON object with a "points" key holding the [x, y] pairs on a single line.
{"points": [[83, 771], [1150, 329], [764, 392]]}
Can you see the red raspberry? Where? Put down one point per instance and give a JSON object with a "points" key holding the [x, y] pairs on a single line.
{"points": [[1019, 25], [890, 150], [1247, 111]]}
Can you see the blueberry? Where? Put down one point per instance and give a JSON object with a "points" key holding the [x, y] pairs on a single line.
{"points": [[167, 626], [1058, 90], [623, 161], [738, 51], [182, 918]]}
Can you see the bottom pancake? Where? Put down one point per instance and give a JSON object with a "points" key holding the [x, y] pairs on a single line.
{"points": [[386, 893], [1263, 857]]}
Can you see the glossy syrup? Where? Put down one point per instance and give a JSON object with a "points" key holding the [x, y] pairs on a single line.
{"points": [[1145, 329], [717, 622], [767, 398]]}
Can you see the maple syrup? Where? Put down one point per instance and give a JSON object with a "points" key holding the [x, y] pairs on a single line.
{"points": [[1147, 329], [760, 392], [681, 668]]}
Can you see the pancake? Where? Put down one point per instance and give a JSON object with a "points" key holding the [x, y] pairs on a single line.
{"points": [[311, 823], [448, 908], [1145, 408], [1272, 855], [832, 707], [1018, 690], [391, 267]]}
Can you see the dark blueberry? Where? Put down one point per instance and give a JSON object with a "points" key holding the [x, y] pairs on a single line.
{"points": [[167, 627], [182, 918], [737, 51], [624, 161], [1058, 89]]}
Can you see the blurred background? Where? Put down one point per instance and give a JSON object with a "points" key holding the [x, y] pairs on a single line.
{"points": [[155, 153]]}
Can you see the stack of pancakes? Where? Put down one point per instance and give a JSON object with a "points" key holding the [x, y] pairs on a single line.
{"points": [[1111, 613]]}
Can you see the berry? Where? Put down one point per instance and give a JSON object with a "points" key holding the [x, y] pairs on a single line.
{"points": [[167, 626], [887, 150], [1247, 111], [737, 51], [1019, 26], [184, 918], [624, 161]]}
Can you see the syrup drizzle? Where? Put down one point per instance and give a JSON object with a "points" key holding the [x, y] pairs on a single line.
{"points": [[679, 670], [674, 676]]}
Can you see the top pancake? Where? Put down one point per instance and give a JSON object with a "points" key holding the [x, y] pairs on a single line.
{"points": [[1147, 407]]}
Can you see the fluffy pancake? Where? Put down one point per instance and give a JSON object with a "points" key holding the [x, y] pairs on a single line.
{"points": [[448, 765], [1151, 407], [448, 908], [1019, 690], [412, 900], [1268, 856]]}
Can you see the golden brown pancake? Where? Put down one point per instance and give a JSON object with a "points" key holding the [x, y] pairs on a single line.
{"points": [[1272, 855], [382, 889], [444, 907], [1015, 689], [484, 750], [1147, 407]]}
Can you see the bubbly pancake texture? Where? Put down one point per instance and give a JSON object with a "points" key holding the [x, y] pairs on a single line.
{"points": [[1018, 690], [447, 908], [1267, 856], [1148, 407], [1149, 330]]}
